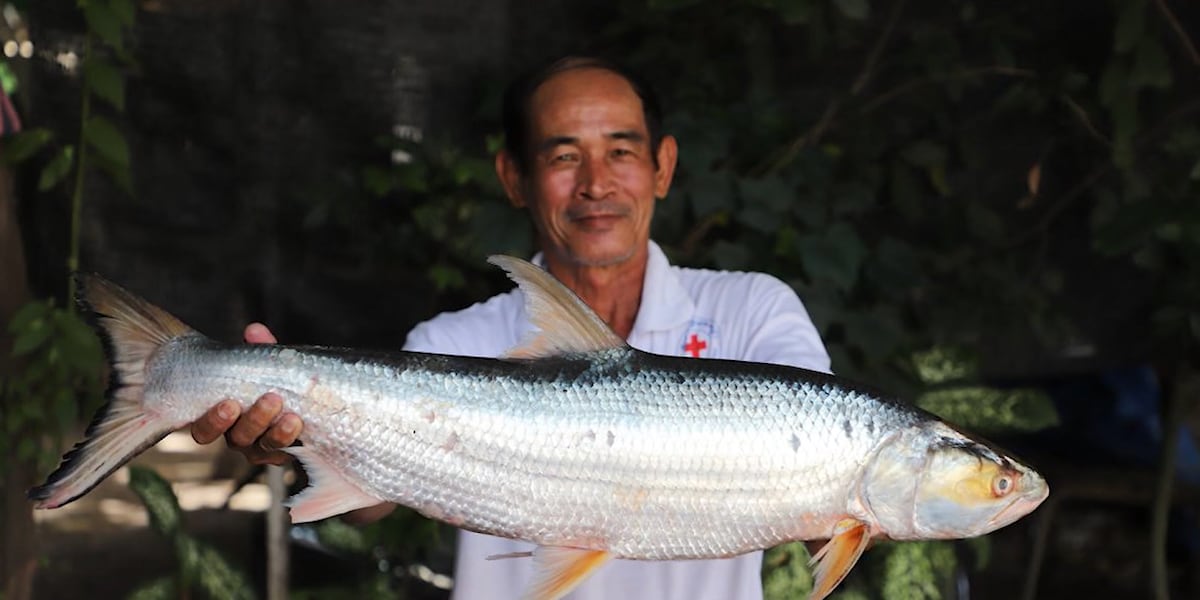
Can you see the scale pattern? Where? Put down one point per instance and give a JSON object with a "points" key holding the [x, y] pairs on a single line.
{"points": [[645, 456]]}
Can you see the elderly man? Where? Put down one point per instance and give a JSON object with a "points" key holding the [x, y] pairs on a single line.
{"points": [[586, 155]]}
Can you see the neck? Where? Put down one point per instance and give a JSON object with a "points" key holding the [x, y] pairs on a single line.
{"points": [[614, 292]]}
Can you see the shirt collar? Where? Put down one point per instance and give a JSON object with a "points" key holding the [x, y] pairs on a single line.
{"points": [[665, 302]]}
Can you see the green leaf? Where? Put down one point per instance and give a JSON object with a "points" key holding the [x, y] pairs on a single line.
{"points": [[105, 81], [107, 140], [160, 501], [104, 23], [209, 571], [26, 449], [447, 277], [853, 9], [22, 145], [58, 168], [31, 337], [785, 572], [118, 173], [990, 410], [124, 10], [834, 256], [163, 588]]}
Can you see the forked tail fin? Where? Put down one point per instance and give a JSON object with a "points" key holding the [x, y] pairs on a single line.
{"points": [[132, 330]]}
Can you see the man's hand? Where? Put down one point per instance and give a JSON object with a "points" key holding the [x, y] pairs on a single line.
{"points": [[262, 430]]}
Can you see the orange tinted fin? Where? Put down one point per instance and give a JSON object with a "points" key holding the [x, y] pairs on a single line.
{"points": [[557, 570], [328, 492], [835, 559]]}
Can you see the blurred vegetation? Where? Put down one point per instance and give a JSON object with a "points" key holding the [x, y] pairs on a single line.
{"points": [[201, 567], [935, 180], [62, 374]]}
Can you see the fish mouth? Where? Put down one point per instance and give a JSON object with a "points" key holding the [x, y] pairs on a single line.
{"points": [[1023, 504]]}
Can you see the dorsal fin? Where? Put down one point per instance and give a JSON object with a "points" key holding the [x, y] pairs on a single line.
{"points": [[565, 323]]}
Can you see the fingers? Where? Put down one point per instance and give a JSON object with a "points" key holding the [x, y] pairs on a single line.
{"points": [[215, 422], [256, 420], [257, 333]]}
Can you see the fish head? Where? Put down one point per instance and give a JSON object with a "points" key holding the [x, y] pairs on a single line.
{"points": [[933, 482]]}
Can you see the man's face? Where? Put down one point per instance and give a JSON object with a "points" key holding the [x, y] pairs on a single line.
{"points": [[592, 181]]}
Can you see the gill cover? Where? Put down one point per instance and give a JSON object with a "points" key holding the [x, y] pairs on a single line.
{"points": [[932, 482]]}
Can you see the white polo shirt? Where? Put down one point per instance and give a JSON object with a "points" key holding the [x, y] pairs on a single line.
{"points": [[684, 312]]}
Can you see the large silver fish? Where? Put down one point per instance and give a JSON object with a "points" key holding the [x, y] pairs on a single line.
{"points": [[575, 441]]}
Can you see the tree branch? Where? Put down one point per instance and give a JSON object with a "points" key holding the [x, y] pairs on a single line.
{"points": [[814, 133], [1183, 36]]}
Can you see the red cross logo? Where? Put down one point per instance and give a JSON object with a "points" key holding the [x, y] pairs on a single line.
{"points": [[694, 346]]}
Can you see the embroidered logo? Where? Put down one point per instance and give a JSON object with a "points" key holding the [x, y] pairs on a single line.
{"points": [[698, 339]]}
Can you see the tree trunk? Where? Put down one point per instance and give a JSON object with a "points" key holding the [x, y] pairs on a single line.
{"points": [[17, 543]]}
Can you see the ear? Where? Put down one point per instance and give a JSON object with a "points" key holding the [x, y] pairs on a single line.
{"points": [[668, 153], [509, 175]]}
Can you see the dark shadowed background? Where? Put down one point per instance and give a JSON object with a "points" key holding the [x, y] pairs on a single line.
{"points": [[989, 208]]}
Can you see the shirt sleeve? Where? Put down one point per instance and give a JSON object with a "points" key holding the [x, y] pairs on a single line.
{"points": [[781, 332]]}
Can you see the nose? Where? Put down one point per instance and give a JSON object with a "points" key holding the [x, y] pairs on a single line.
{"points": [[595, 178]]}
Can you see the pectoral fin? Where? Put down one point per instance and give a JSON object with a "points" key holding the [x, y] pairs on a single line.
{"points": [[838, 556], [557, 571], [328, 492]]}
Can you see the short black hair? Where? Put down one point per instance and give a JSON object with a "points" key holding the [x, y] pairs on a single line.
{"points": [[516, 117]]}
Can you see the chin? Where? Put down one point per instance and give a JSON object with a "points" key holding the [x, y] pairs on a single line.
{"points": [[593, 258]]}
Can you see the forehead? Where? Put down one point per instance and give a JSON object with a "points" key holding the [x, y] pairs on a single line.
{"points": [[585, 97]]}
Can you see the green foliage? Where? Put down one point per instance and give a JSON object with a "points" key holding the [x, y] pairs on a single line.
{"points": [[60, 380], [786, 573], [386, 548], [435, 209], [61, 358], [201, 567]]}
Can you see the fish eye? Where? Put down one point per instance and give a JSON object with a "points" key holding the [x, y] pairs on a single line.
{"points": [[1001, 485]]}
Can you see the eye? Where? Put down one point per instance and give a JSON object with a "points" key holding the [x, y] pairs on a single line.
{"points": [[620, 152], [1002, 485]]}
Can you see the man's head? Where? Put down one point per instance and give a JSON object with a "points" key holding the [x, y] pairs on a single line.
{"points": [[585, 153], [516, 108]]}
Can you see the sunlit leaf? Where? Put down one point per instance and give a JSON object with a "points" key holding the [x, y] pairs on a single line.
{"points": [[160, 501], [990, 410], [786, 573], [163, 588]]}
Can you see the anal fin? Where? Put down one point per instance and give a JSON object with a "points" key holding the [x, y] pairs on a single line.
{"points": [[835, 559], [558, 570], [328, 492]]}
